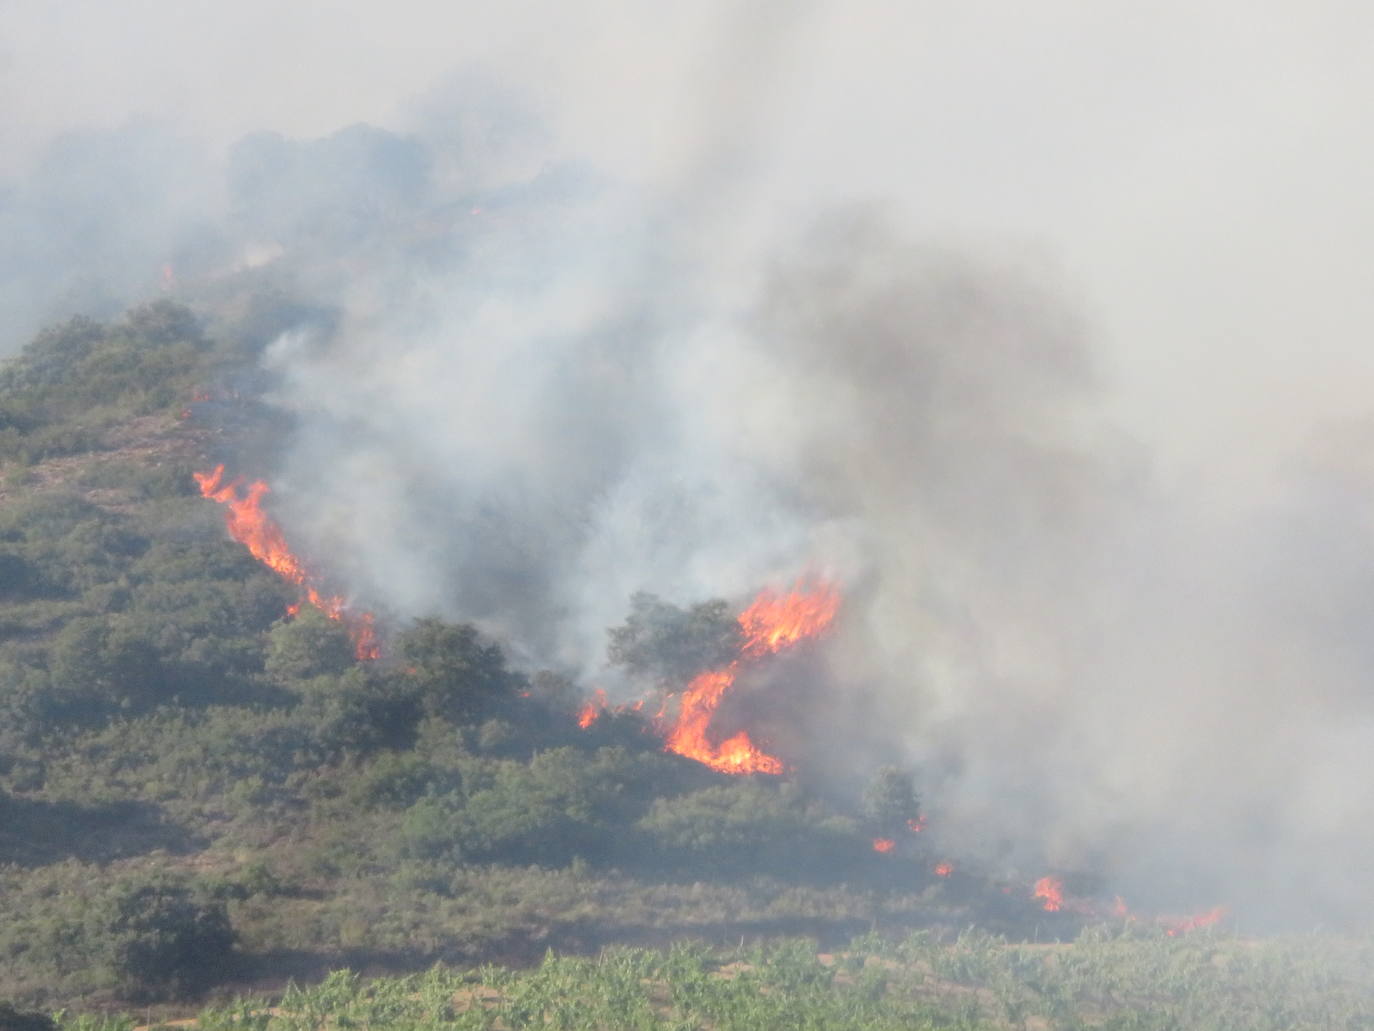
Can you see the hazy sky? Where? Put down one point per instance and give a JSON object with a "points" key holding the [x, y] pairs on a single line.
{"points": [[1193, 173]]}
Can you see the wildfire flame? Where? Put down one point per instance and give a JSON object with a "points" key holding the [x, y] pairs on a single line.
{"points": [[772, 623], [592, 710], [1173, 927], [1051, 889], [883, 844], [944, 869], [254, 529]]}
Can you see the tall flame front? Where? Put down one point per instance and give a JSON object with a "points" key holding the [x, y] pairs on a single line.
{"points": [[771, 624], [254, 529]]}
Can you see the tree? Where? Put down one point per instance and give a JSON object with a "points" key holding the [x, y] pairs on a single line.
{"points": [[454, 673], [890, 802], [309, 645], [161, 937], [672, 644]]}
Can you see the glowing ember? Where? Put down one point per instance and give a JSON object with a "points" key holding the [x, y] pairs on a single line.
{"points": [[883, 845], [772, 623], [917, 825], [1051, 889], [944, 869], [254, 529], [1182, 925]]}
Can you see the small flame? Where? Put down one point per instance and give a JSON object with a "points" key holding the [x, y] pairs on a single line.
{"points": [[883, 845], [944, 869], [772, 623], [592, 710], [254, 529], [1173, 927], [1051, 889], [917, 825]]}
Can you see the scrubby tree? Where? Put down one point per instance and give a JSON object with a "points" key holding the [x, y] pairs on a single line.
{"points": [[672, 644], [310, 645], [748, 825], [161, 937], [454, 673], [890, 801]]}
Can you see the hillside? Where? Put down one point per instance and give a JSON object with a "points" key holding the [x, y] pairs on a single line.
{"points": [[203, 787]]}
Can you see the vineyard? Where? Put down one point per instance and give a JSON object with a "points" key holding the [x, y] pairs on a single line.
{"points": [[1122, 978]]}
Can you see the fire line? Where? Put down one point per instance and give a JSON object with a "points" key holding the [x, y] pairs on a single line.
{"points": [[254, 529]]}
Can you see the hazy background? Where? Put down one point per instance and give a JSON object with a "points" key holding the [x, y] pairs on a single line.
{"points": [[1042, 330]]}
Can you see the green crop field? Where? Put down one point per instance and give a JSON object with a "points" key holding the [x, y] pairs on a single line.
{"points": [[1107, 979]]}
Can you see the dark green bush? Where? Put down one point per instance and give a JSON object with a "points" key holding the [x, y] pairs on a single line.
{"points": [[12, 1019], [752, 825], [453, 672], [161, 937]]}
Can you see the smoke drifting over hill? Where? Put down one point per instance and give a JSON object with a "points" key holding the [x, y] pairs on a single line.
{"points": [[1104, 584]]}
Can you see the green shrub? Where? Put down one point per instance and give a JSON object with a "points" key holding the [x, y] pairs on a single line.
{"points": [[161, 937], [12, 1019]]}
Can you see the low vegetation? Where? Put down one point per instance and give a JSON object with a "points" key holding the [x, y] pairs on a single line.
{"points": [[200, 789], [1139, 980], [203, 795]]}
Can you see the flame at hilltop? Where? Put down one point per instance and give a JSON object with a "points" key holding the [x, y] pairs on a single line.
{"points": [[254, 529], [771, 624]]}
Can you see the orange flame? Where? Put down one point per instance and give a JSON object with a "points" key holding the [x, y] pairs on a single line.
{"points": [[772, 623], [592, 710], [1051, 889], [944, 869], [883, 845], [254, 529], [1182, 925]]}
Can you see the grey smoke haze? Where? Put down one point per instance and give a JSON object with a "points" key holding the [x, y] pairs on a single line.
{"points": [[1040, 330]]}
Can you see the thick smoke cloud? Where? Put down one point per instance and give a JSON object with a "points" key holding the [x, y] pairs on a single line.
{"points": [[1072, 410]]}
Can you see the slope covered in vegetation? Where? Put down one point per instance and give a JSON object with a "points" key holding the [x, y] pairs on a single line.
{"points": [[198, 790]]}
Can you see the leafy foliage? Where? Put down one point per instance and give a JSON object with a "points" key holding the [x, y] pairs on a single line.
{"points": [[161, 936], [890, 802], [977, 982], [671, 644], [195, 785]]}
